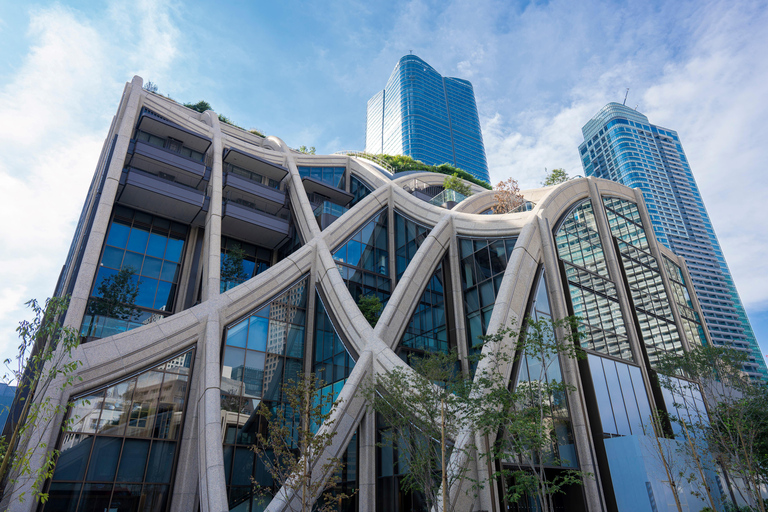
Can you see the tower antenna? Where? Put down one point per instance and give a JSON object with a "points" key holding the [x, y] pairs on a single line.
{"points": [[625, 96]]}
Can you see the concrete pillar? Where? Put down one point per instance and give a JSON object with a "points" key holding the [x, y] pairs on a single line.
{"points": [[212, 242], [90, 261], [366, 473]]}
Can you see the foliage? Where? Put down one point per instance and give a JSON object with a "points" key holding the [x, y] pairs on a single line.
{"points": [[370, 306], [555, 177], [423, 409], [734, 428], [257, 132], [402, 163], [150, 86], [201, 106], [293, 445], [453, 182], [44, 359], [527, 413], [307, 150], [232, 269], [507, 196]]}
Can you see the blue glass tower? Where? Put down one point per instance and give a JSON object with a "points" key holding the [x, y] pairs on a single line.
{"points": [[428, 117], [620, 144]]}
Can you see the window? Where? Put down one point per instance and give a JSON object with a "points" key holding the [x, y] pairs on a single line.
{"points": [[120, 444]]}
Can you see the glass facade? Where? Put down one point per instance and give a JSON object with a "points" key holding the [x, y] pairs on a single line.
{"points": [[646, 286], [255, 261], [358, 189], [620, 144], [152, 247], [593, 295], [621, 397], [118, 448], [363, 260], [332, 362], [409, 235], [691, 320], [482, 265], [427, 331], [562, 451], [428, 117], [332, 176], [261, 352]]}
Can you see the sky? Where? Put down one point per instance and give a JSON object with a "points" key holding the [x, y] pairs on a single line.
{"points": [[303, 71]]}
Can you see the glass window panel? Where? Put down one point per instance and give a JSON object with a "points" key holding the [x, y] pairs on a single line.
{"points": [[118, 234], [237, 334], [62, 497], [173, 249], [165, 295], [112, 257], [133, 260], [151, 267], [137, 240], [602, 395], [156, 245], [106, 451], [126, 498], [147, 289], [252, 373], [95, 497], [635, 420], [101, 276], [73, 458], [617, 401], [273, 377], [144, 405], [257, 333], [354, 253], [155, 497], [160, 462], [233, 358], [169, 411], [85, 412], [117, 407], [242, 467], [133, 461], [295, 341]]}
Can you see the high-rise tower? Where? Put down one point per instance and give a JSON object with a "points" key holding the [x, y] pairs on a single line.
{"points": [[427, 116], [620, 144]]}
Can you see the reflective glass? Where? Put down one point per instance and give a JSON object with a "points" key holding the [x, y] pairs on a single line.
{"points": [[133, 461]]}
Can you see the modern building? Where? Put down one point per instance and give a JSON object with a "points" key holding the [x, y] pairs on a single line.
{"points": [[621, 145], [165, 406], [428, 117]]}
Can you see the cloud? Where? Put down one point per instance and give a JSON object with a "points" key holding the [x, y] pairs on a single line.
{"points": [[56, 109]]}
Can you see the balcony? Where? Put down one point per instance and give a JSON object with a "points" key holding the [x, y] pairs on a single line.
{"points": [[255, 164], [156, 160], [268, 199], [447, 199], [245, 222], [162, 196], [320, 192]]}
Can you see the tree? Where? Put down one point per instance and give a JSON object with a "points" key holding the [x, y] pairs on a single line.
{"points": [[299, 431], [115, 298], [370, 306], [528, 413], [423, 410], [201, 106], [232, 269], [555, 177], [44, 359], [150, 86], [734, 420], [507, 196], [455, 183], [306, 150]]}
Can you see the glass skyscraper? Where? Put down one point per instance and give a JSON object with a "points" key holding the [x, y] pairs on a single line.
{"points": [[620, 144], [428, 117]]}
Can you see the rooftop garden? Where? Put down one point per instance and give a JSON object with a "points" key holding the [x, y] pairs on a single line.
{"points": [[402, 163]]}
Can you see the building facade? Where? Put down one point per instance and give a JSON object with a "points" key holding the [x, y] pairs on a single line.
{"points": [[621, 145], [165, 408], [428, 117]]}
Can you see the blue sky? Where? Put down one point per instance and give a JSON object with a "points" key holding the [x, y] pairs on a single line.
{"points": [[303, 71]]}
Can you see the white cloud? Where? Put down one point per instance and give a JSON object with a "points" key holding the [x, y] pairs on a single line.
{"points": [[56, 109]]}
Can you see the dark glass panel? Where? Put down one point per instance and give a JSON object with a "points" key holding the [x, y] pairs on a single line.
{"points": [[133, 260], [151, 267], [160, 462], [165, 295], [133, 461], [62, 497], [601, 393], [173, 249], [155, 498], [126, 498], [104, 273], [243, 466], [95, 497], [147, 289], [295, 341], [75, 450], [106, 452]]}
